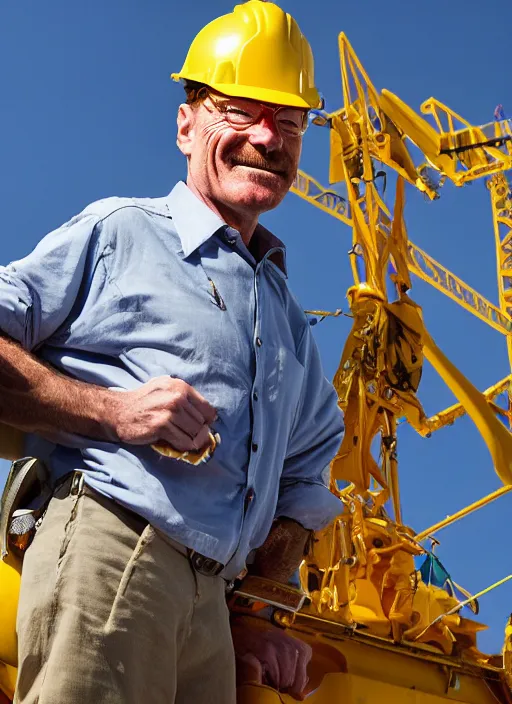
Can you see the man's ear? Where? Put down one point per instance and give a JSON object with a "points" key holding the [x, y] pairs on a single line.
{"points": [[186, 129]]}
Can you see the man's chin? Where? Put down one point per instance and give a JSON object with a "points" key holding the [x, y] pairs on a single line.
{"points": [[262, 191]]}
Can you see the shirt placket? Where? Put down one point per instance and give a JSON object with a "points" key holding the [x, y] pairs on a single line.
{"points": [[256, 411], [256, 399]]}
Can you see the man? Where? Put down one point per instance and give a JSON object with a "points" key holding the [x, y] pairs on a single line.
{"points": [[160, 321]]}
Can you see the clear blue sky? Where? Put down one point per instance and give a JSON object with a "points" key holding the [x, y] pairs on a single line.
{"points": [[87, 110]]}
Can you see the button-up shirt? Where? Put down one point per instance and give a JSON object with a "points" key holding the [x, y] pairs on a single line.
{"points": [[132, 289]]}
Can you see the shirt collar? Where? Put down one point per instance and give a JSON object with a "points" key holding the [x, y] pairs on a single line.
{"points": [[195, 223], [262, 242]]}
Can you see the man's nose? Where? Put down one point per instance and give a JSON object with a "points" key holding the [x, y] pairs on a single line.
{"points": [[265, 133]]}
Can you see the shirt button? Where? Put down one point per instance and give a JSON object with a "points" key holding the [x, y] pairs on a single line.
{"points": [[250, 495], [259, 342], [255, 395], [254, 447], [230, 235]]}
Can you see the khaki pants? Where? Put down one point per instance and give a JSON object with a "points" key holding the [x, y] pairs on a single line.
{"points": [[111, 612]]}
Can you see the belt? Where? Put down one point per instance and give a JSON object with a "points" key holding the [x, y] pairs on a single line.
{"points": [[201, 564], [204, 565]]}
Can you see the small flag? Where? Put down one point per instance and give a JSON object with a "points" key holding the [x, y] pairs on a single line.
{"points": [[499, 113]]}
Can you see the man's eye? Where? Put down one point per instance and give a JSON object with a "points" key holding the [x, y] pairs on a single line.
{"points": [[289, 123], [237, 111], [292, 117]]}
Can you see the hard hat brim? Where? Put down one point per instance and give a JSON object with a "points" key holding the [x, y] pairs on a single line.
{"points": [[263, 95]]}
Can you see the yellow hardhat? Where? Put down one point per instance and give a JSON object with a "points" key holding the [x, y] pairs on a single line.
{"points": [[258, 52]]}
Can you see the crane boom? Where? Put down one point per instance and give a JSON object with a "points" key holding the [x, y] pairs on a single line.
{"points": [[420, 263]]}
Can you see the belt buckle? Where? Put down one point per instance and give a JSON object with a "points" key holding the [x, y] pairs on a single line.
{"points": [[77, 483], [205, 565]]}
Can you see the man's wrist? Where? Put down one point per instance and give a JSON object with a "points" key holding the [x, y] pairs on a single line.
{"points": [[79, 408], [283, 550], [107, 415]]}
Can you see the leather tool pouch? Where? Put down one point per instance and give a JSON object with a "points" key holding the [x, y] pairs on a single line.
{"points": [[24, 500]]}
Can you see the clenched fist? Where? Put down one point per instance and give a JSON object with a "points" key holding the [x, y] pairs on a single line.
{"points": [[163, 409]]}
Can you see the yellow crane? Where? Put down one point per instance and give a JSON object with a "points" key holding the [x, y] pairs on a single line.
{"points": [[383, 615]]}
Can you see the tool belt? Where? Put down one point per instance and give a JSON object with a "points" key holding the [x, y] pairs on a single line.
{"points": [[25, 497]]}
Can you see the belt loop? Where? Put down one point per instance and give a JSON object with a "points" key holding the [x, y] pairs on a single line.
{"points": [[77, 483]]}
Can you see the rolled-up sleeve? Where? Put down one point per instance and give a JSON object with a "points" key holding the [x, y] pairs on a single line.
{"points": [[37, 293], [315, 439]]}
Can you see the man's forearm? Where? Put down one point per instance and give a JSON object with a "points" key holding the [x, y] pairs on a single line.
{"points": [[34, 397], [283, 550]]}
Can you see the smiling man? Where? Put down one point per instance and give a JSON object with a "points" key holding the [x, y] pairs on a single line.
{"points": [[243, 155], [157, 322]]}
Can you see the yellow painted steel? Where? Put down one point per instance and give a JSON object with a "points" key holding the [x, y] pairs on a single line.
{"points": [[360, 571], [10, 570], [497, 438], [428, 269], [461, 155], [258, 52], [323, 198], [501, 202], [507, 652], [356, 669], [356, 137], [449, 520], [474, 151], [419, 262], [449, 415], [362, 690], [472, 598], [496, 135]]}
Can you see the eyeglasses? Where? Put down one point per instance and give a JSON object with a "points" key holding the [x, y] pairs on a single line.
{"points": [[242, 113]]}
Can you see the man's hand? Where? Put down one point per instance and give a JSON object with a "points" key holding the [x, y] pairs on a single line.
{"points": [[165, 409], [265, 654]]}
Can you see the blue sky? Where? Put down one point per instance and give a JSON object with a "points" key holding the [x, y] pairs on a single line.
{"points": [[87, 110]]}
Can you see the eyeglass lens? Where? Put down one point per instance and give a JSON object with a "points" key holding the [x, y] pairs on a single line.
{"points": [[241, 112]]}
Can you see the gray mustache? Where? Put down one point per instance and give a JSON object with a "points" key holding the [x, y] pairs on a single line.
{"points": [[260, 164]]}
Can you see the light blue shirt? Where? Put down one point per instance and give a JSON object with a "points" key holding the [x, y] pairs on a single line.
{"points": [[122, 293]]}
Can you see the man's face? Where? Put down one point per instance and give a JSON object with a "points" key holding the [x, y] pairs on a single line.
{"points": [[245, 168]]}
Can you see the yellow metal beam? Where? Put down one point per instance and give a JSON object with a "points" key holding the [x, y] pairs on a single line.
{"points": [[459, 606], [451, 414], [497, 438], [449, 520], [428, 269], [476, 151], [420, 263], [325, 199], [497, 134], [501, 201]]}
